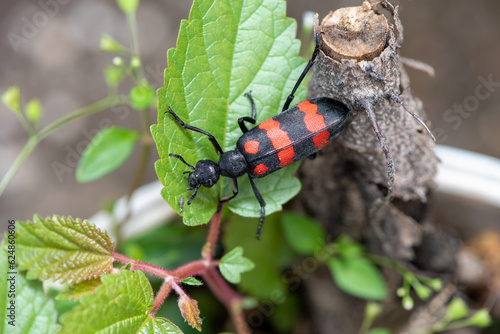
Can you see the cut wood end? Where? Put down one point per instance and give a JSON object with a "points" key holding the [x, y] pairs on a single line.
{"points": [[354, 33]]}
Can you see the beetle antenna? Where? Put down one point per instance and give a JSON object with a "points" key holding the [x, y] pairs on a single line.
{"points": [[396, 99], [194, 194], [172, 155]]}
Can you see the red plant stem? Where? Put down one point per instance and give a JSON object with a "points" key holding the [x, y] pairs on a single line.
{"points": [[213, 234], [160, 297], [191, 269], [205, 267], [138, 265], [229, 297]]}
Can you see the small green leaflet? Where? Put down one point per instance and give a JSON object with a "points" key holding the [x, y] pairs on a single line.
{"points": [[191, 281], [302, 233], [358, 277], [108, 150], [233, 264], [224, 50], [63, 249], [34, 312]]}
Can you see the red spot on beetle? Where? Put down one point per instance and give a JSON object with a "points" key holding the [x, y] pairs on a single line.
{"points": [[314, 121], [252, 147], [286, 156], [280, 140], [260, 169], [321, 139]]}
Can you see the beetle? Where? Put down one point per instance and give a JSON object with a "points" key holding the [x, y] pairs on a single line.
{"points": [[292, 135], [295, 133]]}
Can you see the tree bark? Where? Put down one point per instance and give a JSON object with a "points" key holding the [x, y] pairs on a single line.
{"points": [[345, 186]]}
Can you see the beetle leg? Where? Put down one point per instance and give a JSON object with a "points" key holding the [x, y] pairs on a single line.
{"points": [[172, 155], [303, 75], [241, 120], [235, 192], [242, 125], [252, 102], [381, 139], [262, 207], [397, 99], [186, 126]]}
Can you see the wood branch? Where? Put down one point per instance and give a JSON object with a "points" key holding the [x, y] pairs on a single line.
{"points": [[345, 186]]}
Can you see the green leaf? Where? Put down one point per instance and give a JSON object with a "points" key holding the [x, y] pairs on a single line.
{"points": [[141, 97], [128, 6], [120, 305], [358, 277], [108, 150], [270, 254], [192, 281], [12, 99], [224, 50], [63, 248], [80, 289], [34, 110], [159, 326], [34, 311], [302, 233], [233, 264]]}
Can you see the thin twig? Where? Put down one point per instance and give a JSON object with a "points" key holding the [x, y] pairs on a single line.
{"points": [[33, 141]]}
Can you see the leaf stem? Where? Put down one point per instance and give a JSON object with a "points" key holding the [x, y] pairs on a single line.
{"points": [[132, 23], [160, 297], [91, 109], [206, 267], [213, 234], [229, 297]]}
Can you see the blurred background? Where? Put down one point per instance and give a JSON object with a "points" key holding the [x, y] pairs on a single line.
{"points": [[50, 49]]}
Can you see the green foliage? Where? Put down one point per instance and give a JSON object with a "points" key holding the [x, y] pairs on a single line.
{"points": [[358, 277], [34, 312], [233, 264], [159, 326], [192, 281], [120, 305], [302, 233], [270, 254], [108, 150], [80, 289], [224, 50], [354, 273], [62, 248]]}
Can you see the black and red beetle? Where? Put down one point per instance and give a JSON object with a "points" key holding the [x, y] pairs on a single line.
{"points": [[292, 135]]}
